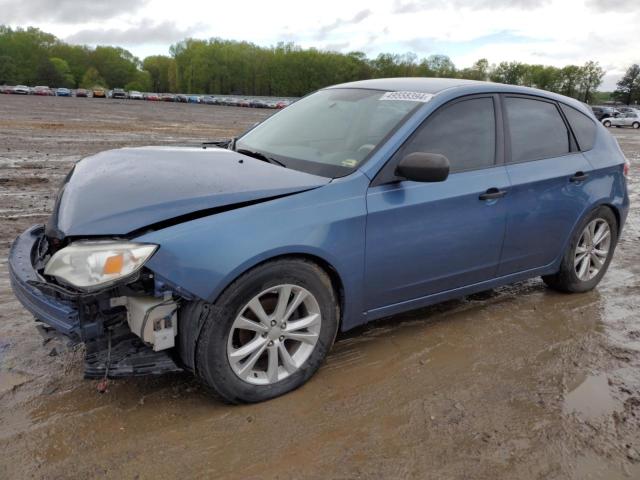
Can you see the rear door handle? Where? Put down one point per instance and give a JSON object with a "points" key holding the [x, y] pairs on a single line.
{"points": [[579, 177], [492, 193]]}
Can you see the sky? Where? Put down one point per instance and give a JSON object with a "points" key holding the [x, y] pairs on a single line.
{"points": [[550, 32]]}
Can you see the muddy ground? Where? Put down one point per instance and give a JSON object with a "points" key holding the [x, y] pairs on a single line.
{"points": [[519, 382]]}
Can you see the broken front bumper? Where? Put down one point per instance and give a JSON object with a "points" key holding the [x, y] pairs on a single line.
{"points": [[58, 313], [111, 348]]}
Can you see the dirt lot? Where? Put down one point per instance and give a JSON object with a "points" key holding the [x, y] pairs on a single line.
{"points": [[519, 382]]}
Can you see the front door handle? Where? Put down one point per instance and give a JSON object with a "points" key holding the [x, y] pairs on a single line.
{"points": [[579, 177], [492, 193]]}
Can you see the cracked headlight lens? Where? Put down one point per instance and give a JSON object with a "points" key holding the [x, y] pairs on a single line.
{"points": [[88, 264]]}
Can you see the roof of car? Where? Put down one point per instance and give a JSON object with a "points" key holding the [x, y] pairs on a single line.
{"points": [[414, 84], [435, 85]]}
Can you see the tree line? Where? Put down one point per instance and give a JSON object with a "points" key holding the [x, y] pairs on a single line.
{"points": [[34, 57]]}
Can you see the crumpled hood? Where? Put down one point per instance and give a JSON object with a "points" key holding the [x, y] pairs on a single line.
{"points": [[120, 191]]}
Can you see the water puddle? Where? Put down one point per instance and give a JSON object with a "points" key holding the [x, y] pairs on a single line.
{"points": [[591, 399]]}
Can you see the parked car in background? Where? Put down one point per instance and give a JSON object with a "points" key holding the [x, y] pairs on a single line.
{"points": [[391, 212], [99, 92], [135, 95], [182, 98], [168, 97], [81, 92], [257, 103], [21, 90], [207, 99], [63, 92], [193, 99], [5, 89], [230, 102], [604, 112], [630, 119], [42, 90], [153, 97], [118, 93]]}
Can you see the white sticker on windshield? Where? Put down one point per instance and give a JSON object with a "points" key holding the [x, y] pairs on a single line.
{"points": [[407, 96]]}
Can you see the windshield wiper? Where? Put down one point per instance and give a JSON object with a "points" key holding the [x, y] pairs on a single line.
{"points": [[219, 143], [260, 156]]}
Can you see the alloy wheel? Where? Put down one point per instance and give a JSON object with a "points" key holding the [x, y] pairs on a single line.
{"points": [[592, 250], [274, 334]]}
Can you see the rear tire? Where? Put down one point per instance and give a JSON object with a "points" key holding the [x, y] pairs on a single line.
{"points": [[584, 263], [636, 125], [284, 354], [607, 123]]}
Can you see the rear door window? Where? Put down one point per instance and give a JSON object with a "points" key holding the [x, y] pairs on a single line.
{"points": [[536, 129], [584, 128]]}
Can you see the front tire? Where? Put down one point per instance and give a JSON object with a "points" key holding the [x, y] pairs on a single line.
{"points": [[269, 331], [636, 125], [589, 253], [607, 123]]}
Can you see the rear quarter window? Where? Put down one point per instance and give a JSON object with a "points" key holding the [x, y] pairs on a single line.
{"points": [[584, 128]]}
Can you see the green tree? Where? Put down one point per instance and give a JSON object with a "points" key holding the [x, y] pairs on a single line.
{"points": [[592, 75], [570, 77], [64, 72], [141, 83], [28, 48], [92, 78], [7, 70], [117, 65], [222, 66], [628, 89], [76, 56], [541, 76], [48, 74], [161, 70], [511, 73], [441, 66], [478, 71]]}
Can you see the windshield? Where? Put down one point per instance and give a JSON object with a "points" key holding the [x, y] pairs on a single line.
{"points": [[330, 132]]}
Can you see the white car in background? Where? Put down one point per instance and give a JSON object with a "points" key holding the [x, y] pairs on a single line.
{"points": [[629, 119], [135, 95], [21, 90]]}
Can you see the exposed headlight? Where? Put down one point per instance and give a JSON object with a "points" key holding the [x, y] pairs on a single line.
{"points": [[87, 264]]}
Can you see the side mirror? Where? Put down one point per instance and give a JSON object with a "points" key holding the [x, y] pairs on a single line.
{"points": [[424, 167]]}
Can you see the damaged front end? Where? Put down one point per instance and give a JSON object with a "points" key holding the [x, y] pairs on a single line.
{"points": [[128, 325]]}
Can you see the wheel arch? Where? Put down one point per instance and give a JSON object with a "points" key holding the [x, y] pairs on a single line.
{"points": [[194, 312], [587, 211], [322, 263], [616, 213], [603, 203]]}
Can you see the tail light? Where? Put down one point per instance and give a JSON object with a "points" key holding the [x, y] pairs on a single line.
{"points": [[627, 166]]}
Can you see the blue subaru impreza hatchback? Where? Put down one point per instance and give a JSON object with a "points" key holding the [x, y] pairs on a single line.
{"points": [[240, 262]]}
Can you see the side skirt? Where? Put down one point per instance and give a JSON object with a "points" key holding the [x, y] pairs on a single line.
{"points": [[421, 302]]}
